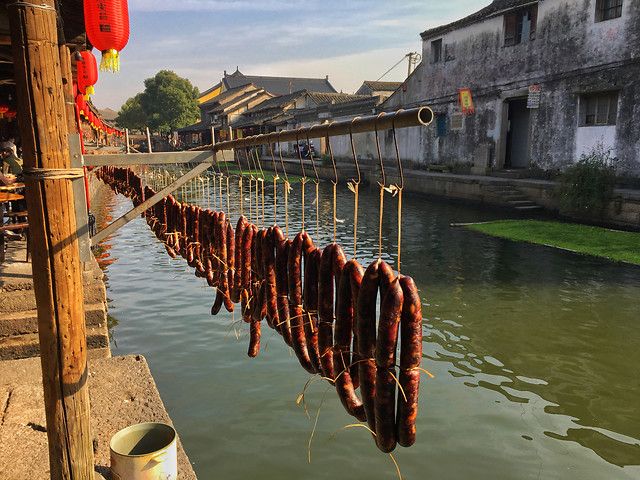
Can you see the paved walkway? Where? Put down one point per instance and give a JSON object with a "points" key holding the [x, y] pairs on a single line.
{"points": [[121, 389]]}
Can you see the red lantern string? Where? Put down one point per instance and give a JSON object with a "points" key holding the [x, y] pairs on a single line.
{"points": [[107, 25]]}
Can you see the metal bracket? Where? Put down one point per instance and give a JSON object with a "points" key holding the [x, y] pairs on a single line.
{"points": [[80, 199]]}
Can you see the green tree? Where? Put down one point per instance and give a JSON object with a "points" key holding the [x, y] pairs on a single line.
{"points": [[131, 114], [168, 102]]}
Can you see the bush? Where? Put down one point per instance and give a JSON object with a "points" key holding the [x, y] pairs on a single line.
{"points": [[587, 186]]}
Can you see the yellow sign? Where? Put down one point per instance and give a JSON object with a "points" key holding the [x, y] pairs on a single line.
{"points": [[465, 101]]}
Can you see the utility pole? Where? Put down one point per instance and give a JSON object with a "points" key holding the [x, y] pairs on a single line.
{"points": [[414, 59]]}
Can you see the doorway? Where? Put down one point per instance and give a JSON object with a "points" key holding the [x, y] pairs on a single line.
{"points": [[517, 147]]}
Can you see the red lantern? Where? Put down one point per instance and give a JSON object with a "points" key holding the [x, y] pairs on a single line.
{"points": [[87, 72], [81, 103], [107, 25], [3, 109], [9, 114]]}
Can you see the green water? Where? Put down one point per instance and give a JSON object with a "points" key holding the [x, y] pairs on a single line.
{"points": [[534, 353]]}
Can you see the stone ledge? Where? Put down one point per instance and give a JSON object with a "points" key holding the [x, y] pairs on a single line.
{"points": [[122, 393]]}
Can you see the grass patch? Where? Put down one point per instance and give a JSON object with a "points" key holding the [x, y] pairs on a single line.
{"points": [[600, 242]]}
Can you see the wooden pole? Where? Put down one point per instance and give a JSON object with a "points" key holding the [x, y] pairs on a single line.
{"points": [[67, 82], [57, 274]]}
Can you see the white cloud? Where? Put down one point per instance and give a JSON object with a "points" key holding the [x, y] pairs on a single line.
{"points": [[349, 41]]}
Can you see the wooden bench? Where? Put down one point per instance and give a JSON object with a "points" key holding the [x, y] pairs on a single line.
{"points": [[11, 227]]}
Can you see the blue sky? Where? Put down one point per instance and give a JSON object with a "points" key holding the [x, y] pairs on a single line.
{"points": [[350, 41]]}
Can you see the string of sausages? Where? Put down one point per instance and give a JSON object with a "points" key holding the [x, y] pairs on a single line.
{"points": [[322, 305]]}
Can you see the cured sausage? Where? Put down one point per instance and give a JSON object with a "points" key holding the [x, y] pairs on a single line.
{"points": [[237, 276], [282, 283], [347, 295], [377, 398], [385, 354], [228, 304], [254, 339], [310, 304], [258, 269], [298, 338], [332, 262], [366, 328], [410, 358], [270, 280], [220, 231]]}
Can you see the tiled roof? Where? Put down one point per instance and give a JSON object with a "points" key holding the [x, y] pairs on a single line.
{"points": [[383, 86], [497, 6], [224, 96], [280, 85], [280, 101], [321, 98]]}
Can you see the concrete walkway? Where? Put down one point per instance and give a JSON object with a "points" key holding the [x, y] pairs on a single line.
{"points": [[121, 389]]}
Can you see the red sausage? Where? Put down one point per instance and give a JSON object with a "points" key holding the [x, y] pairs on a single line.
{"points": [[385, 354], [366, 328], [333, 260], [298, 338], [410, 358], [237, 276], [310, 304], [270, 280], [254, 339], [282, 283], [228, 304], [347, 295]]}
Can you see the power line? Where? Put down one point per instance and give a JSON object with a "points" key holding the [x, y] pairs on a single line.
{"points": [[401, 60]]}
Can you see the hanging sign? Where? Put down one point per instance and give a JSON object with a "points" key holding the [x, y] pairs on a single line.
{"points": [[533, 100], [465, 102], [456, 121]]}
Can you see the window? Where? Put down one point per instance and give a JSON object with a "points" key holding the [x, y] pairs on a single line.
{"points": [[608, 9], [599, 109], [520, 26], [436, 51]]}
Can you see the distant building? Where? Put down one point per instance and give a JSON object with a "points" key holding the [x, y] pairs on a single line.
{"points": [[549, 80], [219, 112], [237, 93], [274, 85], [301, 108], [379, 89]]}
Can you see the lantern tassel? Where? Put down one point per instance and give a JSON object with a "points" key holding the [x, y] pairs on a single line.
{"points": [[110, 61]]}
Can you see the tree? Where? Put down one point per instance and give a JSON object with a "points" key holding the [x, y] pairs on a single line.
{"points": [[131, 114], [168, 102]]}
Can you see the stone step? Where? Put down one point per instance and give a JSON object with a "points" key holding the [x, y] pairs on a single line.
{"points": [[23, 322], [28, 345], [21, 300]]}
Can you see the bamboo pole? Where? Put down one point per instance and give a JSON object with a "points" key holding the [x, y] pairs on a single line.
{"points": [[57, 274]]}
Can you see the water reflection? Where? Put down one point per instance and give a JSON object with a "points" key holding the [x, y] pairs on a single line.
{"points": [[534, 350]]}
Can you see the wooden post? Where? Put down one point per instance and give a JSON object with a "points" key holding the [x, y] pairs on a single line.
{"points": [[57, 274], [67, 82]]}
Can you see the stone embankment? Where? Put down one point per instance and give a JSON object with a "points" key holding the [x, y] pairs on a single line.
{"points": [[527, 196]]}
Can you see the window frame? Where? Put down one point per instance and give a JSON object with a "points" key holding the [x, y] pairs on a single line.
{"points": [[436, 51], [608, 10], [592, 105], [513, 25]]}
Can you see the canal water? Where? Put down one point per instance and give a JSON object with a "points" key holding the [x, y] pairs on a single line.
{"points": [[534, 353]]}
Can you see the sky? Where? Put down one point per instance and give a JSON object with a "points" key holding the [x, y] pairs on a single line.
{"points": [[350, 40]]}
